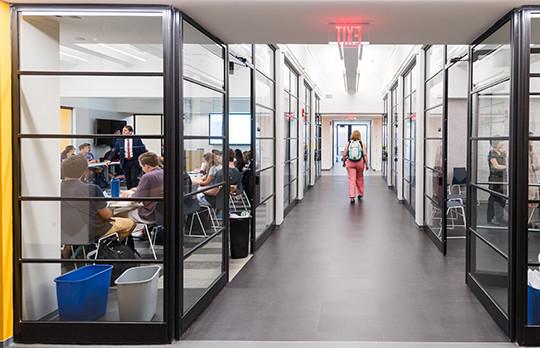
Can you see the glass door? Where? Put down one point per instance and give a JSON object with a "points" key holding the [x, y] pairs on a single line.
{"points": [[205, 211], [265, 147], [318, 138], [395, 132], [409, 135], [384, 150], [434, 145], [307, 136], [291, 120], [489, 243]]}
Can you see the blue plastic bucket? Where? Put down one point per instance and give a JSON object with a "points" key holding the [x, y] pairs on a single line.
{"points": [[82, 294], [533, 306]]}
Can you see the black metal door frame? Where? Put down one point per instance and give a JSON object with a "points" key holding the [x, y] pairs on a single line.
{"points": [[507, 322], [174, 322], [256, 243]]}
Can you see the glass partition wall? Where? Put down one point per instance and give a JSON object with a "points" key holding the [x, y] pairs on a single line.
{"points": [[205, 196], [394, 108], [307, 136], [502, 237], [491, 115], [384, 150], [318, 138], [434, 134], [110, 105], [445, 147], [409, 137], [290, 105], [265, 143]]}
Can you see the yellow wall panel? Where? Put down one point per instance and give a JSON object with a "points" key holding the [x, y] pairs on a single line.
{"points": [[65, 127], [6, 225]]}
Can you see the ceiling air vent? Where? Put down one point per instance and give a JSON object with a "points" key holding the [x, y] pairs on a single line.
{"points": [[329, 96]]}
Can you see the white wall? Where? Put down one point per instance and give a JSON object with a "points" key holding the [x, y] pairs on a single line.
{"points": [[40, 170], [327, 159]]}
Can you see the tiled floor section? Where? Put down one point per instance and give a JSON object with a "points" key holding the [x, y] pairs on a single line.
{"points": [[335, 272]]}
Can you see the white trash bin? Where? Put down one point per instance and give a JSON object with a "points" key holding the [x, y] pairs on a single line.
{"points": [[137, 293]]}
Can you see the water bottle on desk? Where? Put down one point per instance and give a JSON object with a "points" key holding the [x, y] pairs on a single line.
{"points": [[115, 187]]}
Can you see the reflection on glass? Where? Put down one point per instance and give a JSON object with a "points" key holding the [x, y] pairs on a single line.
{"points": [[491, 111], [490, 161], [294, 189], [201, 270], [264, 216], [434, 123], [202, 160], [433, 217], [203, 112], [533, 216], [294, 84], [492, 57], [434, 91], [293, 148], [266, 184], [264, 123], [265, 91], [264, 59], [241, 50], [202, 57], [434, 186], [490, 270], [434, 60], [456, 51], [265, 153], [122, 43], [534, 107]]}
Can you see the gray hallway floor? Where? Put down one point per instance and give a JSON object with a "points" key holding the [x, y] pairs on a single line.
{"points": [[336, 272]]}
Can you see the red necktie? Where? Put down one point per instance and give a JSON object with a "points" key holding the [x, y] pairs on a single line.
{"points": [[129, 149]]}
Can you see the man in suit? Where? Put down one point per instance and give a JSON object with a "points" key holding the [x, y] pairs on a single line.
{"points": [[129, 150]]}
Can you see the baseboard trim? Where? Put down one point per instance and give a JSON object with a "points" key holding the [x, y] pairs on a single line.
{"points": [[6, 343]]}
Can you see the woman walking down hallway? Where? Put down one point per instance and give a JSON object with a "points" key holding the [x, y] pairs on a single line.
{"points": [[356, 161]]}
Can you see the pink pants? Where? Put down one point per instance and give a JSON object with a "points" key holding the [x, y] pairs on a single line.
{"points": [[355, 171]]}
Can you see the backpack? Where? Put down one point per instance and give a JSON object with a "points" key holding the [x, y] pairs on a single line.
{"points": [[355, 151], [115, 250]]}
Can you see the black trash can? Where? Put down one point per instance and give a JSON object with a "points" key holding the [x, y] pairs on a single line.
{"points": [[239, 235]]}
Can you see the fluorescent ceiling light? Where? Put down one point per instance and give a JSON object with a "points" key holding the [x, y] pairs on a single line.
{"points": [[72, 53], [123, 52], [73, 56], [113, 51]]}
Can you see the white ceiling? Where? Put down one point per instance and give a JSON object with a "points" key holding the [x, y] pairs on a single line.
{"points": [[306, 21]]}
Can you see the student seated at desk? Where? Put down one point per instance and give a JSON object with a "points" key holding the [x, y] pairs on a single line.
{"points": [[214, 197], [84, 149], [67, 152], [86, 220], [150, 185], [213, 165]]}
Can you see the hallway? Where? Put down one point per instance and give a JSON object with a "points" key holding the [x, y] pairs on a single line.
{"points": [[335, 272]]}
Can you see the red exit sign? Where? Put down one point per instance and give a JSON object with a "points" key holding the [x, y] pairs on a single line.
{"points": [[348, 35]]}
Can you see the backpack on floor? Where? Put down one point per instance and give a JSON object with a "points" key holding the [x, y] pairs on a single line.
{"points": [[113, 249], [355, 151]]}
